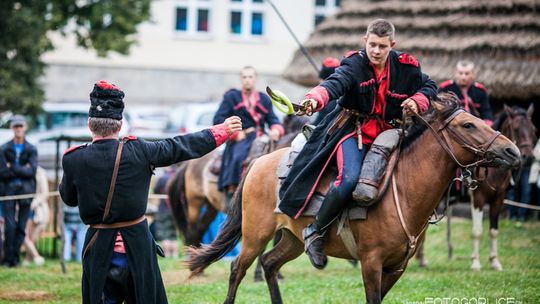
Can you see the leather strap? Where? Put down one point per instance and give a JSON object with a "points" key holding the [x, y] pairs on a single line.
{"points": [[113, 180], [119, 224]]}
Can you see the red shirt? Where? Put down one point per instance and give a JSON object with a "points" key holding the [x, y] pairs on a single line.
{"points": [[371, 128]]}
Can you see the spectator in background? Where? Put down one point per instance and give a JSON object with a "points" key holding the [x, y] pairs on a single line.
{"points": [[165, 230], [74, 230], [328, 68], [39, 218], [473, 95], [18, 164]]}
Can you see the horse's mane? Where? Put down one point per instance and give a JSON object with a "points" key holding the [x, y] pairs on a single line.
{"points": [[449, 102]]}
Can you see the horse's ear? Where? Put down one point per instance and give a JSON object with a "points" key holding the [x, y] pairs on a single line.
{"points": [[530, 110], [508, 111]]}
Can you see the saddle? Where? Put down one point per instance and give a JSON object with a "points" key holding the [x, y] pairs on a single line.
{"points": [[354, 211]]}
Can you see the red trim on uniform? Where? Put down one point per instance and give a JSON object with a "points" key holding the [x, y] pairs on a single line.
{"points": [[278, 127], [319, 94], [130, 137], [488, 122], [262, 108], [220, 134], [367, 83], [238, 106], [480, 86], [71, 149], [408, 59], [421, 101], [350, 53], [396, 95], [445, 84], [104, 84], [339, 160], [299, 213]]}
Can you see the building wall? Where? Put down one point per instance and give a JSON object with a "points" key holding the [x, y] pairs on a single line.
{"points": [[169, 66]]}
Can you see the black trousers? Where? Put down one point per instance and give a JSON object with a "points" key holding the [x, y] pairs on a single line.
{"points": [[15, 224]]}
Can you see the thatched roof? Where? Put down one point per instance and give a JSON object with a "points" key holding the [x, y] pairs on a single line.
{"points": [[501, 36]]}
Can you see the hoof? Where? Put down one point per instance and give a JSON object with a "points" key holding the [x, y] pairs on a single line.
{"points": [[476, 265], [495, 264], [423, 263], [258, 278]]}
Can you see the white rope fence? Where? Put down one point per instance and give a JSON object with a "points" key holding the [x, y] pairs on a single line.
{"points": [[527, 206], [56, 193]]}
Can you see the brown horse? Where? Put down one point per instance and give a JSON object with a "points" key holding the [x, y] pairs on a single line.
{"points": [[387, 239], [516, 124]]}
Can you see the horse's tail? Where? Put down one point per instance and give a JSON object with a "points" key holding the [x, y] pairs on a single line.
{"points": [[227, 238], [177, 199]]}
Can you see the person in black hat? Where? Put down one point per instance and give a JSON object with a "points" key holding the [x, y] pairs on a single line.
{"points": [[18, 165], [119, 257]]}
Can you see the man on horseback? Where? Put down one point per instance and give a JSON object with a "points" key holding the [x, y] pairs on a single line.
{"points": [[473, 95], [375, 84], [255, 110], [110, 187]]}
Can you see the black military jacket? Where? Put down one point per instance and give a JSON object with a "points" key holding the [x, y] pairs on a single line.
{"points": [[87, 176], [480, 106]]}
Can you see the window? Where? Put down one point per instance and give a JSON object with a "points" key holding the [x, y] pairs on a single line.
{"points": [[193, 17], [324, 8], [257, 24], [236, 22], [247, 18]]}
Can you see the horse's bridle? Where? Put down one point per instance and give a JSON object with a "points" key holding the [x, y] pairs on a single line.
{"points": [[483, 155]]}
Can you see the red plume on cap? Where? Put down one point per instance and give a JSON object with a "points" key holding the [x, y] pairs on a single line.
{"points": [[330, 62], [328, 68], [104, 84]]}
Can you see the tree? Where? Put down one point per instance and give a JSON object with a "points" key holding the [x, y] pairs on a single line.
{"points": [[104, 25]]}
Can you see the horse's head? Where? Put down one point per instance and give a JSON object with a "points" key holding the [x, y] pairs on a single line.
{"points": [[516, 124], [470, 139]]}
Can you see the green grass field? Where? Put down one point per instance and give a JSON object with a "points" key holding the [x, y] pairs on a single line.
{"points": [[442, 282]]}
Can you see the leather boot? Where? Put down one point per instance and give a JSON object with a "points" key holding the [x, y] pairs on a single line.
{"points": [[314, 234], [372, 172]]}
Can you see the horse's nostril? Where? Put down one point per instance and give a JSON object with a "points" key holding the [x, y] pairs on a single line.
{"points": [[511, 152]]}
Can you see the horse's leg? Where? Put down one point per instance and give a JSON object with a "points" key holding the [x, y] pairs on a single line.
{"points": [[258, 271], [288, 248], [494, 211], [420, 256], [372, 276], [249, 252], [388, 281], [477, 214], [449, 243]]}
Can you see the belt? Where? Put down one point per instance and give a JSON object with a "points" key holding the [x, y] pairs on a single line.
{"points": [[342, 118], [119, 224], [110, 226]]}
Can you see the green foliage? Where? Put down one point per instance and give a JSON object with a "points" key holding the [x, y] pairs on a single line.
{"points": [[519, 249], [104, 25]]}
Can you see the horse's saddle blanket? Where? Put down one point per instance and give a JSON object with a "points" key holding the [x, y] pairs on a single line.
{"points": [[284, 166]]}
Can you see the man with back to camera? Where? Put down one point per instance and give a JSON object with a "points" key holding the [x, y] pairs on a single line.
{"points": [[109, 181]]}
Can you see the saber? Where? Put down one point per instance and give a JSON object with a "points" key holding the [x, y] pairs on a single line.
{"points": [[302, 48], [282, 102]]}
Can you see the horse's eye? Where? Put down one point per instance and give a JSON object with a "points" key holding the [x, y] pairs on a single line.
{"points": [[468, 125]]}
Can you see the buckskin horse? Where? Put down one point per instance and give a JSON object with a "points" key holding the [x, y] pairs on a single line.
{"points": [[387, 239]]}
